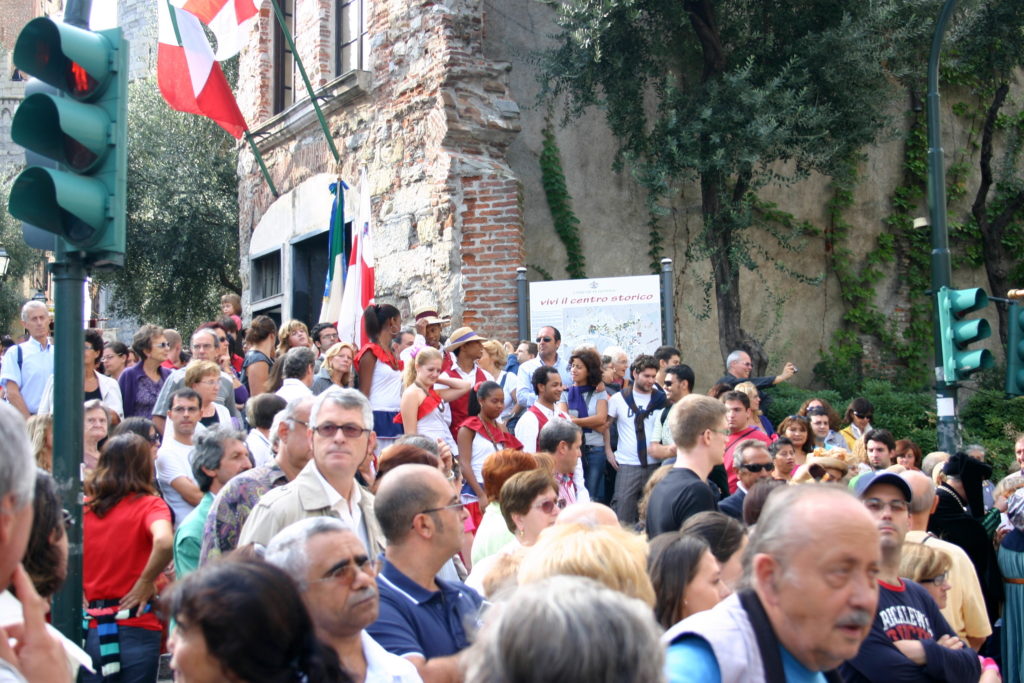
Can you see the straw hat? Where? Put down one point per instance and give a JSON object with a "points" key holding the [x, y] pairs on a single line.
{"points": [[428, 315], [461, 336]]}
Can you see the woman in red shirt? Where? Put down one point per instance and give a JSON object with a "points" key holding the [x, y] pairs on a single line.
{"points": [[127, 541]]}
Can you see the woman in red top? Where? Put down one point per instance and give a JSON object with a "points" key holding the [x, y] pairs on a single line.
{"points": [[127, 539], [480, 436], [422, 407]]}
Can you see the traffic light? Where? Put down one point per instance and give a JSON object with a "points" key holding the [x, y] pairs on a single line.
{"points": [[1015, 350], [959, 362], [81, 127]]}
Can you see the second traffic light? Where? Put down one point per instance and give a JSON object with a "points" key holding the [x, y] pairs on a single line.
{"points": [[959, 361], [82, 127], [1015, 350]]}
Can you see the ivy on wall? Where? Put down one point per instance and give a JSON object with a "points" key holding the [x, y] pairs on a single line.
{"points": [[567, 225]]}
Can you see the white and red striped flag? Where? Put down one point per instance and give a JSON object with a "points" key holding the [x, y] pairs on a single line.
{"points": [[228, 19], [189, 77], [359, 284]]}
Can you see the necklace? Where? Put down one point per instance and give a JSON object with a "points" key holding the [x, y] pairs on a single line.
{"points": [[956, 496]]}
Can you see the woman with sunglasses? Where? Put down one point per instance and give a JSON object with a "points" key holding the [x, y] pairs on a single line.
{"points": [[529, 504], [858, 417], [141, 383], [929, 567], [797, 429]]}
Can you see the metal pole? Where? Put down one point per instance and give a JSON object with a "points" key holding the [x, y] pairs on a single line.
{"points": [[259, 160], [948, 428], [305, 79], [68, 441], [521, 304], [77, 12], [668, 309]]}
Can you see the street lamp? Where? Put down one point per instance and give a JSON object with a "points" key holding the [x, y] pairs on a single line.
{"points": [[40, 296], [5, 263]]}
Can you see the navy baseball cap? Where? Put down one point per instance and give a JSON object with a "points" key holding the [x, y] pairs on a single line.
{"points": [[869, 479]]}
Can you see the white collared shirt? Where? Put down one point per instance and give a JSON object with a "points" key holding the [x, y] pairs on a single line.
{"points": [[384, 667], [292, 389], [348, 510]]}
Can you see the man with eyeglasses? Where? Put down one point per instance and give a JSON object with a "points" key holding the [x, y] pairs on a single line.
{"points": [[205, 346], [341, 437], [753, 462], [424, 619], [337, 579], [173, 468], [909, 640], [549, 339]]}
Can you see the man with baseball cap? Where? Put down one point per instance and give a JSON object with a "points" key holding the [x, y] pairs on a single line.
{"points": [[910, 640]]}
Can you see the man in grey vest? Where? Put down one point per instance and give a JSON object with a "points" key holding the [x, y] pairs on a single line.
{"points": [[809, 600]]}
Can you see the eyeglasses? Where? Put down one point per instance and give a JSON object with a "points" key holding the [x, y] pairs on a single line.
{"points": [[210, 382], [454, 506], [162, 345], [548, 506], [861, 416], [328, 337], [345, 571], [667, 383], [329, 430], [544, 339], [877, 505], [759, 467], [153, 438], [937, 580]]}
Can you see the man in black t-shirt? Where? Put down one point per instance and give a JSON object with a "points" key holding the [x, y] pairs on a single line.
{"points": [[699, 430]]}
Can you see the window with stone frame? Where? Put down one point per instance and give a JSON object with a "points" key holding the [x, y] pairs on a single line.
{"points": [[284, 61], [265, 277], [351, 48]]}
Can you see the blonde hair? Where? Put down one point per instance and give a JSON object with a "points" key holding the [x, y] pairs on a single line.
{"points": [[750, 390], [334, 351], [285, 331], [38, 426], [196, 370], [610, 555], [421, 356], [496, 350], [918, 562]]}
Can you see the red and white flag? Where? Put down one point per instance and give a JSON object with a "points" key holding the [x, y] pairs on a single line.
{"points": [[189, 78], [228, 19], [359, 284]]}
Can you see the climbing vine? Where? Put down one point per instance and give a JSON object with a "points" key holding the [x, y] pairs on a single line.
{"points": [[567, 225]]}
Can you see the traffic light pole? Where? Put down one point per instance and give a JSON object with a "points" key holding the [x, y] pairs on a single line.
{"points": [[948, 428], [68, 439]]}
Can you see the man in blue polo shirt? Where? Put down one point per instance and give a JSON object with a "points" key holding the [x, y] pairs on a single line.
{"points": [[28, 365], [422, 618]]}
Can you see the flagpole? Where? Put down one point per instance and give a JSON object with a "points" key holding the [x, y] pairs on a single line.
{"points": [[263, 166], [305, 79]]}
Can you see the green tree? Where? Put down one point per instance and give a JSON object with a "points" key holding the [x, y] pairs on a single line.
{"points": [[732, 95], [182, 242]]}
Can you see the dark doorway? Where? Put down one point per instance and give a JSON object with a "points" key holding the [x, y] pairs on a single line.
{"points": [[309, 270]]}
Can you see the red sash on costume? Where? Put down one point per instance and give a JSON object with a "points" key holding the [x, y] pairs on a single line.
{"points": [[432, 401], [475, 424], [460, 406], [542, 419], [381, 355]]}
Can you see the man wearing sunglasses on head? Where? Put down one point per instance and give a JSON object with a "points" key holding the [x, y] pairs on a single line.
{"points": [[752, 462], [548, 339], [337, 580], [341, 437]]}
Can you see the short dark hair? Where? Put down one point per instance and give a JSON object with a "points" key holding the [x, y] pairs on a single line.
{"points": [[531, 347], [644, 362], [540, 376], [859, 405], [554, 331], [261, 409], [518, 492], [297, 362], [723, 533], [665, 353], [185, 394], [881, 436], [318, 328], [683, 373], [396, 505], [736, 396], [94, 339], [778, 444]]}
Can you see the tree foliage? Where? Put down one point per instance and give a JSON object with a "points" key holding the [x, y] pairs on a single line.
{"points": [[182, 242], [733, 95]]}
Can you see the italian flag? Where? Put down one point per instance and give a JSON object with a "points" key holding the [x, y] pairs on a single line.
{"points": [[189, 77]]}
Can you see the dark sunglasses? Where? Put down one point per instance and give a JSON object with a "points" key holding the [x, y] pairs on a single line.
{"points": [[862, 416], [544, 339], [757, 467]]}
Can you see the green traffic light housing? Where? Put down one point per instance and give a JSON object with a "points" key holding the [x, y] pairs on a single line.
{"points": [[82, 126], [1015, 350], [959, 362]]}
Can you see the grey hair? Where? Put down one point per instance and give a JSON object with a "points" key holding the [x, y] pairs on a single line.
{"points": [[297, 361], [207, 330], [564, 613], [17, 466], [285, 415], [208, 451], [932, 460], [774, 533], [29, 305], [922, 500], [733, 357], [419, 441], [976, 447], [739, 459], [349, 399], [287, 549], [555, 432], [614, 351]]}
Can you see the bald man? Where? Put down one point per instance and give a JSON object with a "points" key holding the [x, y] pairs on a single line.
{"points": [[594, 514]]}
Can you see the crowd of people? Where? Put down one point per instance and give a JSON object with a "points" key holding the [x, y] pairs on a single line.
{"points": [[276, 504]]}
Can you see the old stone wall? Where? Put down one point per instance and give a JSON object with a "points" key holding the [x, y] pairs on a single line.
{"points": [[430, 123]]}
